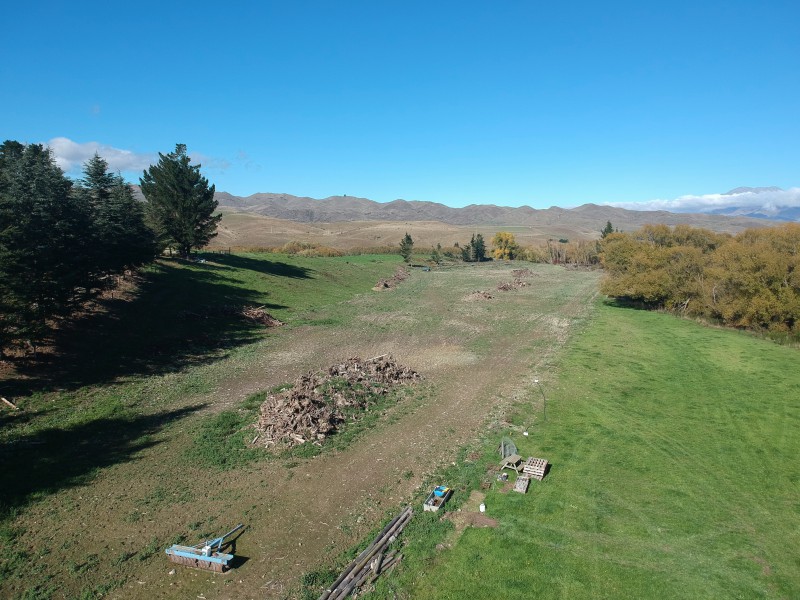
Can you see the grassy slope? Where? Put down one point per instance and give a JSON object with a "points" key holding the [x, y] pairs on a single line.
{"points": [[135, 368], [152, 335], [675, 474]]}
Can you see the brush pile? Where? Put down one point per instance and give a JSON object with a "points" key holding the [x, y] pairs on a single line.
{"points": [[387, 284], [257, 314], [526, 272], [478, 296], [318, 403], [514, 285], [260, 316]]}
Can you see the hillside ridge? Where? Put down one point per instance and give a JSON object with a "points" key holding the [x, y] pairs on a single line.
{"points": [[351, 208]]}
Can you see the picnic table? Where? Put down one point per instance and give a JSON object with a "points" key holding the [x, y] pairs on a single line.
{"points": [[512, 462]]}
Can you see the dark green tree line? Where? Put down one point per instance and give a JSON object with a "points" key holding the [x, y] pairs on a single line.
{"points": [[475, 251], [120, 238], [58, 241]]}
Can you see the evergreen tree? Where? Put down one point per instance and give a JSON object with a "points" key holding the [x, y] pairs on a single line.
{"points": [[605, 231], [436, 254], [478, 248], [44, 266], [97, 181], [133, 242], [406, 247], [180, 202], [120, 238], [475, 250]]}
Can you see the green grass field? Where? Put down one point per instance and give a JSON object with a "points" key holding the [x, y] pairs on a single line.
{"points": [[121, 383], [675, 474], [673, 445]]}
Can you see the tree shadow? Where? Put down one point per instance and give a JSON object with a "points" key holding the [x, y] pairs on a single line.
{"points": [[181, 314], [623, 302], [267, 267], [42, 463]]}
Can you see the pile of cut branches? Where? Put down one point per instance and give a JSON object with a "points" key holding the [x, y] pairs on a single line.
{"points": [[387, 284], [477, 296], [514, 285], [319, 403], [257, 314]]}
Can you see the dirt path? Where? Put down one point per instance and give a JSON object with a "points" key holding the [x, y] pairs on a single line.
{"points": [[474, 355]]}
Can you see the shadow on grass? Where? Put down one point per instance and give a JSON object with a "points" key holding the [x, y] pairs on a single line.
{"points": [[629, 303], [44, 462], [266, 267], [182, 314]]}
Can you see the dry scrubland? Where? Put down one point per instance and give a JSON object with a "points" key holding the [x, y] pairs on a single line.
{"points": [[103, 532], [245, 230]]}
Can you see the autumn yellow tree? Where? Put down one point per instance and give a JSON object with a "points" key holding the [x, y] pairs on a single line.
{"points": [[755, 279], [751, 280], [504, 246]]}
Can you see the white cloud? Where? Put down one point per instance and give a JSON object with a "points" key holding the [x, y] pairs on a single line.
{"points": [[243, 158], [768, 201], [70, 155], [209, 162]]}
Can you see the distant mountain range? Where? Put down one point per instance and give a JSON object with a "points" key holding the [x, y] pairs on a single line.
{"points": [[749, 207], [588, 217], [768, 209]]}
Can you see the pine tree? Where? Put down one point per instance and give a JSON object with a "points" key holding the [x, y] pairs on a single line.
{"points": [[406, 247], [134, 243], [180, 202], [436, 254], [120, 238], [97, 181], [605, 231], [44, 266], [478, 248]]}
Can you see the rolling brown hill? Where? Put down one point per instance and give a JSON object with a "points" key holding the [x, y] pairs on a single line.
{"points": [[346, 221], [351, 208]]}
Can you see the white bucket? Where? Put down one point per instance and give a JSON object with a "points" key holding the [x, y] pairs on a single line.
{"points": [[482, 507]]}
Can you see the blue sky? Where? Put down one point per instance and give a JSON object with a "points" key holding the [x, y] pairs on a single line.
{"points": [[504, 102]]}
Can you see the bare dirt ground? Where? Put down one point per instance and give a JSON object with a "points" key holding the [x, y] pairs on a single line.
{"points": [[300, 514]]}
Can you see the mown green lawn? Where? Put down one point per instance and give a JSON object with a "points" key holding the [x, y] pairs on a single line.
{"points": [[675, 474]]}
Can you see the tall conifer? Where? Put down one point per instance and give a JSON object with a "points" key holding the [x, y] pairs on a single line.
{"points": [[180, 202]]}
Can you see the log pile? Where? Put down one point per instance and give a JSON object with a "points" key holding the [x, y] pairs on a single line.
{"points": [[314, 407], [372, 562], [387, 284]]}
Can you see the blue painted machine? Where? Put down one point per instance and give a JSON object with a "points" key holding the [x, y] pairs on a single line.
{"points": [[437, 498], [205, 555]]}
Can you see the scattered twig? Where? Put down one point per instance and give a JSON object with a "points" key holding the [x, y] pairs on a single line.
{"points": [[9, 403]]}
